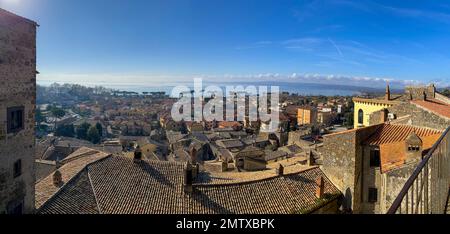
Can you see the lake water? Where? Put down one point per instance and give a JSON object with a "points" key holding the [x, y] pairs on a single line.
{"points": [[300, 88]]}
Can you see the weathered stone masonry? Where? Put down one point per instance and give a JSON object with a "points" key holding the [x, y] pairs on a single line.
{"points": [[17, 89]]}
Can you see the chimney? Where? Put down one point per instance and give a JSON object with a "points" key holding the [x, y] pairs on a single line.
{"points": [[320, 190], [138, 153], [195, 171], [280, 170], [188, 179], [193, 154], [224, 165], [310, 158], [57, 178], [384, 116], [387, 96]]}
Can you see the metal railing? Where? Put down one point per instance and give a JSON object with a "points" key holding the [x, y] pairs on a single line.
{"points": [[427, 190]]}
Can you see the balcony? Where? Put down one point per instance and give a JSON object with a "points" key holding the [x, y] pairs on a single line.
{"points": [[427, 190]]}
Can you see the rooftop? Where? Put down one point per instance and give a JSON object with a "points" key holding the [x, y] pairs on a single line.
{"points": [[435, 106], [118, 185], [389, 133]]}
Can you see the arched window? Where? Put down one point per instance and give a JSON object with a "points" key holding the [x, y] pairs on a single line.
{"points": [[360, 116]]}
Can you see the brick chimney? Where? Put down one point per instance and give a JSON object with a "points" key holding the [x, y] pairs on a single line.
{"points": [[280, 170], [188, 179], [320, 190], [57, 178]]}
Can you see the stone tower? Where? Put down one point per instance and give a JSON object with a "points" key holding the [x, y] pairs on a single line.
{"points": [[17, 110], [387, 95]]}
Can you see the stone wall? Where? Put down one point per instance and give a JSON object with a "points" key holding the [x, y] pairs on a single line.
{"points": [[342, 163], [330, 208], [392, 183], [418, 116], [417, 92], [17, 88]]}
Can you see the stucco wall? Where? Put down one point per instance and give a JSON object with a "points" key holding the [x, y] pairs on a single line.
{"points": [[368, 108]]}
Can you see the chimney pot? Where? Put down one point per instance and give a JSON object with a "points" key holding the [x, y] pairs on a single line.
{"points": [[320, 190]]}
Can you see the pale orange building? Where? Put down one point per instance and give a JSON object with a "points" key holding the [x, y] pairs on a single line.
{"points": [[306, 115]]}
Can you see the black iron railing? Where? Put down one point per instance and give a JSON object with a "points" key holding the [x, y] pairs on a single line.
{"points": [[427, 190]]}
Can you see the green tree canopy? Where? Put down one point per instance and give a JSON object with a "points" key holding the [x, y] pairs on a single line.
{"points": [[65, 130], [39, 116], [93, 135], [82, 131], [58, 112], [99, 128]]}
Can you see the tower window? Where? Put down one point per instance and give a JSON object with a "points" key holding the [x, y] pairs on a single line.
{"points": [[373, 195], [15, 119], [360, 116]]}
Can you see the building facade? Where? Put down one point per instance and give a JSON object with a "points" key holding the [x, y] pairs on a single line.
{"points": [[17, 107], [370, 165], [364, 107], [306, 115]]}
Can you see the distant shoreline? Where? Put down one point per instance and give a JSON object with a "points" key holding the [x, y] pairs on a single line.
{"points": [[305, 89]]}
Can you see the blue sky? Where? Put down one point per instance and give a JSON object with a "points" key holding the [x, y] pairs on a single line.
{"points": [[160, 41]]}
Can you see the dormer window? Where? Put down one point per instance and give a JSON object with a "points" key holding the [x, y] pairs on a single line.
{"points": [[414, 148]]}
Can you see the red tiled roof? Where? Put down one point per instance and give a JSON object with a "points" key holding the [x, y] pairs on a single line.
{"points": [[226, 124], [435, 106], [393, 155], [389, 133]]}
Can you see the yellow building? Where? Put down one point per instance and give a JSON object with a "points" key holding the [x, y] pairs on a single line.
{"points": [[306, 115], [363, 107]]}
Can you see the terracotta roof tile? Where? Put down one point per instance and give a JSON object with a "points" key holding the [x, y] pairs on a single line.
{"points": [[122, 186], [389, 133], [45, 189], [435, 106]]}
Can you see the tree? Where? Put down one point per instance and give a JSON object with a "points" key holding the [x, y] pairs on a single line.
{"points": [[446, 92], [82, 131], [93, 135], [348, 116], [99, 128], [57, 113], [39, 117], [65, 130]]}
